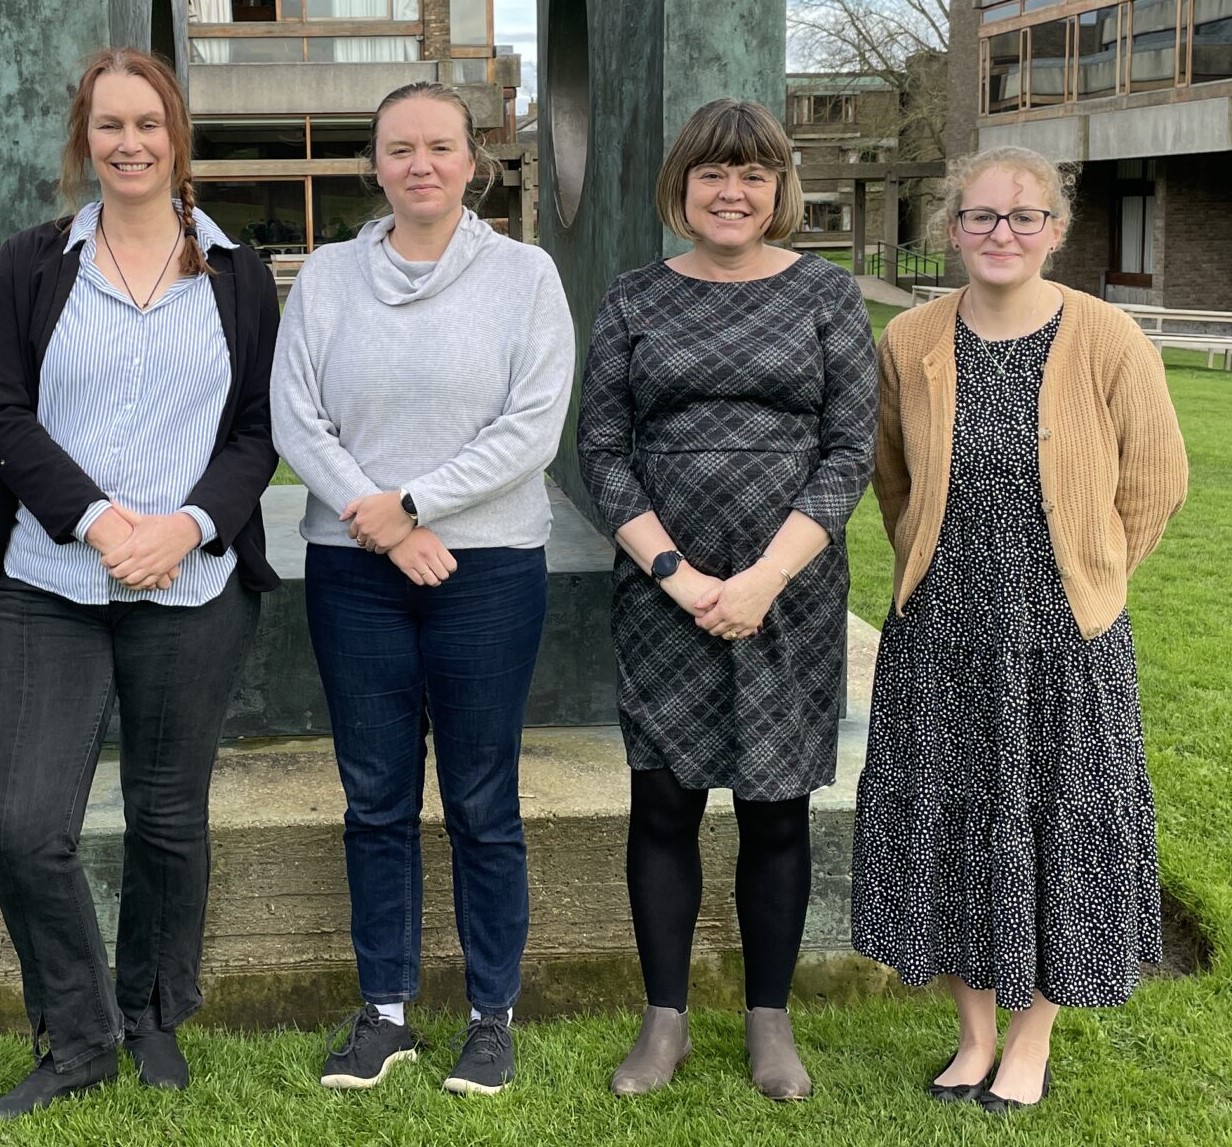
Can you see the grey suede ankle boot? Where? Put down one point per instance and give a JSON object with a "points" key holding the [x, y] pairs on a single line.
{"points": [[775, 1065], [662, 1046]]}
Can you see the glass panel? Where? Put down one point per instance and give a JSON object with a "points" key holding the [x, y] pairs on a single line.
{"points": [[470, 71], [363, 49], [1132, 212], [1212, 40], [339, 138], [1097, 54], [266, 215], [254, 139], [1048, 63], [1033, 5], [292, 9], [1152, 61], [1004, 72], [246, 10], [209, 11], [341, 206], [468, 22], [1000, 12], [248, 50], [347, 9]]}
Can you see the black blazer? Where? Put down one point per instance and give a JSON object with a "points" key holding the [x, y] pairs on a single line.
{"points": [[36, 276]]}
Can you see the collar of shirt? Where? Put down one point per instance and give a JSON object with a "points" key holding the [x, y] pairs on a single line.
{"points": [[85, 223]]}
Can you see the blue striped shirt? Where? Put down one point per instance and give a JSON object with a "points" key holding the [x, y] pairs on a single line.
{"points": [[135, 399]]}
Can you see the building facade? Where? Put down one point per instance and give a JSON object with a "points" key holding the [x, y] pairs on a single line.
{"points": [[1137, 95], [853, 135]]}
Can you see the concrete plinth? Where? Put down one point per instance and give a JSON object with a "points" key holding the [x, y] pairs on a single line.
{"points": [[278, 946]]}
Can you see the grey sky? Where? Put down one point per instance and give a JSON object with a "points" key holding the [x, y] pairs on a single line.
{"points": [[515, 24]]}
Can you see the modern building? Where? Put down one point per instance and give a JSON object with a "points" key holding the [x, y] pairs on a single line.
{"points": [[1138, 96], [281, 92], [865, 160]]}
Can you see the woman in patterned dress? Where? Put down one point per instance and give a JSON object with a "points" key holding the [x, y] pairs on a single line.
{"points": [[726, 427], [1028, 458]]}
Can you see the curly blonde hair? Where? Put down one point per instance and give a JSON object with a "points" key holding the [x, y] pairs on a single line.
{"points": [[1056, 180]]}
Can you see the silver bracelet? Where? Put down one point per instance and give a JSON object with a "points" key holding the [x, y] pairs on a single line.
{"points": [[783, 573]]}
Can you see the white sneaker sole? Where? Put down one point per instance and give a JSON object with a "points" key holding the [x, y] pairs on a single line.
{"points": [[470, 1087], [347, 1082]]}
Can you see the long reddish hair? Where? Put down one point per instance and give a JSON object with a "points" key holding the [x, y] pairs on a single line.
{"points": [[156, 73]]}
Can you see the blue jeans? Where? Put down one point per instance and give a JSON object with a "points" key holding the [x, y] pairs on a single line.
{"points": [[61, 667], [395, 657]]}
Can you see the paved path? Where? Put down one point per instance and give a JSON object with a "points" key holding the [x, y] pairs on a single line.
{"points": [[880, 291]]}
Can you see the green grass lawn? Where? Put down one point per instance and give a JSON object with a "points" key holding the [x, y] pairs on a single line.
{"points": [[1157, 1072]]}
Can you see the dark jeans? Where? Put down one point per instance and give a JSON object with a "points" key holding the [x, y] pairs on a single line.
{"points": [[61, 667], [391, 653]]}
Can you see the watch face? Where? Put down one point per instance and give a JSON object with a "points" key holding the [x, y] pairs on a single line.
{"points": [[665, 564], [408, 504]]}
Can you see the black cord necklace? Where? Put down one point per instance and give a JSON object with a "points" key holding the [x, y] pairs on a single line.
{"points": [[120, 271]]}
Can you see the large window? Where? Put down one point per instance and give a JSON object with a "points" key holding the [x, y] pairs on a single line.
{"points": [[1212, 40], [1098, 53], [1049, 56], [1003, 72], [1134, 230], [1152, 45], [468, 23], [833, 109], [269, 215], [826, 217]]}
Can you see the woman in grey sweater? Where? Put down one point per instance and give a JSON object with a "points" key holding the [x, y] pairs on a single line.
{"points": [[420, 383]]}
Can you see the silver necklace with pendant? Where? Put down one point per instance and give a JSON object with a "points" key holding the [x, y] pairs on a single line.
{"points": [[1003, 364]]}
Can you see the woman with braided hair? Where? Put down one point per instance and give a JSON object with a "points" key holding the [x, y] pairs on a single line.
{"points": [[135, 350]]}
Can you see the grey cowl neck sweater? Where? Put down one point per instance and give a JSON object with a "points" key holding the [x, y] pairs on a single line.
{"points": [[452, 384]]}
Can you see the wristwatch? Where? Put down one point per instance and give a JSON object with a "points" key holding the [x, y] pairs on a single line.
{"points": [[665, 564], [408, 506]]}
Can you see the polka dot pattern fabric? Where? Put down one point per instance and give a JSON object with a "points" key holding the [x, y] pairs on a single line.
{"points": [[1005, 825]]}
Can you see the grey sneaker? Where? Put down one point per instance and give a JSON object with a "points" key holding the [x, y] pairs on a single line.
{"points": [[485, 1065], [373, 1045]]}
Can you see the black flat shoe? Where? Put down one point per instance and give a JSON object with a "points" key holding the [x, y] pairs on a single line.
{"points": [[995, 1104], [157, 1056], [957, 1092], [44, 1084]]}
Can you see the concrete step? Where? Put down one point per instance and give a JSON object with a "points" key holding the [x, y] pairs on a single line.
{"points": [[277, 946]]}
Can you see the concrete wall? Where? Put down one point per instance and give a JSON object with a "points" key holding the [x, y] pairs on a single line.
{"points": [[618, 80], [964, 88]]}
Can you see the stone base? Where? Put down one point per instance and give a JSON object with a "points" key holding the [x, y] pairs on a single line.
{"points": [[277, 942]]}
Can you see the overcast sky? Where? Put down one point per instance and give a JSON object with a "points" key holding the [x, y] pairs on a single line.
{"points": [[515, 24]]}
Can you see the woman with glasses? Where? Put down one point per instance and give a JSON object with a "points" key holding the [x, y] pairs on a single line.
{"points": [[1028, 458]]}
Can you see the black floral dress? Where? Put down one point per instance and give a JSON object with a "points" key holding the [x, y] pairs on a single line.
{"points": [[1005, 827], [723, 406]]}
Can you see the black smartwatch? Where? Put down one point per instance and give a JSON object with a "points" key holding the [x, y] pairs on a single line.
{"points": [[665, 564], [408, 506]]}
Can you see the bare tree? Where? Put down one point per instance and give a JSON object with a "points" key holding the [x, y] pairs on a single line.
{"points": [[902, 42]]}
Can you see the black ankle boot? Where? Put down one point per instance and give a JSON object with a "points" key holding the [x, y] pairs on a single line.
{"points": [[44, 1084], [156, 1054]]}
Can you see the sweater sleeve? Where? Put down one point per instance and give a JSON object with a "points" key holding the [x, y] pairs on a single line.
{"points": [[1153, 469], [304, 433], [605, 418], [891, 479], [33, 466], [848, 414], [523, 439]]}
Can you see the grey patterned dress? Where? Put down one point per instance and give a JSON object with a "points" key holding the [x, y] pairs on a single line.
{"points": [[1005, 829], [723, 406]]}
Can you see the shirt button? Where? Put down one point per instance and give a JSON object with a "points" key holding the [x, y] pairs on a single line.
{"points": [[1045, 433]]}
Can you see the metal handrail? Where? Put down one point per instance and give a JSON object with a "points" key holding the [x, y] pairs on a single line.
{"points": [[917, 266]]}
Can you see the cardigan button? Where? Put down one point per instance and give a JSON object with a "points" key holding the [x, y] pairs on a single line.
{"points": [[1048, 505], [1064, 571], [1045, 433]]}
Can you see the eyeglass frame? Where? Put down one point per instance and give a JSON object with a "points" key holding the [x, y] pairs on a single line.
{"points": [[997, 222]]}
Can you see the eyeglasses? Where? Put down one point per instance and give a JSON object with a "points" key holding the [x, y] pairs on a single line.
{"points": [[981, 221]]}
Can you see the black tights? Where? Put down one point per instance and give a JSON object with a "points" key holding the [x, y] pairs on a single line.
{"points": [[773, 874]]}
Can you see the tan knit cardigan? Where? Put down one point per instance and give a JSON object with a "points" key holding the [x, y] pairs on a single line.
{"points": [[1112, 463]]}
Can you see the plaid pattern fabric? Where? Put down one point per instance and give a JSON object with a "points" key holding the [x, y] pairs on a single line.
{"points": [[722, 407]]}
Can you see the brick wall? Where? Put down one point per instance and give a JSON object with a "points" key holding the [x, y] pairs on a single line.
{"points": [[1084, 258], [964, 90], [435, 16], [1198, 225]]}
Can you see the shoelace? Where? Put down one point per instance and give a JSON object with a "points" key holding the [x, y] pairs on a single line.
{"points": [[485, 1038], [362, 1024]]}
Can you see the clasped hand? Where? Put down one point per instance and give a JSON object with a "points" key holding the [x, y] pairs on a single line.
{"points": [[731, 608], [380, 525], [143, 551]]}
